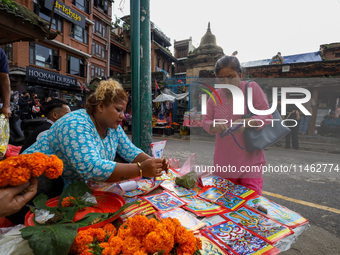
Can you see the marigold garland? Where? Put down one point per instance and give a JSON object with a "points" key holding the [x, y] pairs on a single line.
{"points": [[138, 236], [17, 170]]}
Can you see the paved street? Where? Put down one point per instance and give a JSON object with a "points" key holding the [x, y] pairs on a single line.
{"points": [[315, 195]]}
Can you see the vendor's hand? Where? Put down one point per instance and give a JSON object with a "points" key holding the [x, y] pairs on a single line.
{"points": [[218, 128], [12, 201], [152, 167], [239, 121], [166, 165]]}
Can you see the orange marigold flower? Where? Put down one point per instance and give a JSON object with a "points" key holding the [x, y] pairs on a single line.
{"points": [[168, 225], [176, 222], [110, 229], [38, 163], [110, 251], [138, 225], [130, 245], [199, 243], [140, 253], [104, 245], [19, 176], [86, 252], [55, 167], [116, 242], [67, 202], [99, 233], [81, 241], [190, 246], [154, 242], [123, 231], [152, 224], [181, 235]]}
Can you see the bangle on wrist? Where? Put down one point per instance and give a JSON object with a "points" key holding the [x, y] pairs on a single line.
{"points": [[140, 169]]}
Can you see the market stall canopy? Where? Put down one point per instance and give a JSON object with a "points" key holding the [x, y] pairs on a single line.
{"points": [[18, 23], [164, 98], [177, 96]]}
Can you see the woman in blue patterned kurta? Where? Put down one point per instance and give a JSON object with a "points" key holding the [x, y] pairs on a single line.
{"points": [[87, 141]]}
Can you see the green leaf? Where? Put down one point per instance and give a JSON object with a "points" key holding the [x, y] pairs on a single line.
{"points": [[50, 240], [40, 202], [76, 189], [90, 217]]}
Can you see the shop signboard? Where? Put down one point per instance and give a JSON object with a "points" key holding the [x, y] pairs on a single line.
{"points": [[66, 12], [41, 76]]}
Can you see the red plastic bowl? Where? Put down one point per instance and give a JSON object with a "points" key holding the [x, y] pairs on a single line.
{"points": [[107, 202]]}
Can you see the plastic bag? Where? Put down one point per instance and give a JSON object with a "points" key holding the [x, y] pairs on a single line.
{"points": [[11, 242], [188, 181], [4, 134], [174, 163], [12, 150], [189, 165]]}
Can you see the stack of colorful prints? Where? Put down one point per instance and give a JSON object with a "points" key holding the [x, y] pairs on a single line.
{"points": [[164, 201], [143, 208], [277, 212], [240, 240], [177, 189], [220, 197], [271, 231], [144, 186], [188, 221], [210, 248], [201, 207], [218, 243], [171, 175], [228, 186]]}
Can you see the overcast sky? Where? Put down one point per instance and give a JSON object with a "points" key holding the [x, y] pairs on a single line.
{"points": [[257, 29]]}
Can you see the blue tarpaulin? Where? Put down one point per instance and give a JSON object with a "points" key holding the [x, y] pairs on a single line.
{"points": [[298, 58]]}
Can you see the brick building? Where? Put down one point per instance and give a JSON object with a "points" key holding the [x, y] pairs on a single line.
{"points": [[79, 52], [181, 51]]}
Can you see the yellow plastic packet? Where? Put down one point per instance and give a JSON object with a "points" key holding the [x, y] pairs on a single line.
{"points": [[4, 134]]}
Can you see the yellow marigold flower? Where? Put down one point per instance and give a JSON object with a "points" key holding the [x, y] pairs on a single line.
{"points": [[67, 202], [138, 225], [181, 235], [110, 229], [55, 167], [81, 241], [130, 245]]}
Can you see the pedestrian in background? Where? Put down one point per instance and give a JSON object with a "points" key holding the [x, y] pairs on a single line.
{"points": [[5, 85], [305, 119]]}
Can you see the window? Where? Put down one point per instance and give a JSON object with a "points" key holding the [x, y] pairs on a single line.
{"points": [[75, 66], [57, 21], [79, 33], [97, 71], [9, 52], [44, 56], [115, 57], [98, 50], [102, 5], [337, 55], [99, 28], [83, 5]]}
